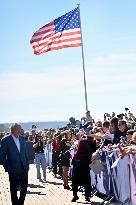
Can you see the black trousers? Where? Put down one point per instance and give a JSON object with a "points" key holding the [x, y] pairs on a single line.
{"points": [[16, 180], [55, 160], [81, 176], [87, 187]]}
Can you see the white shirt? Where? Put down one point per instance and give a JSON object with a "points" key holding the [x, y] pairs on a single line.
{"points": [[16, 140], [88, 118]]}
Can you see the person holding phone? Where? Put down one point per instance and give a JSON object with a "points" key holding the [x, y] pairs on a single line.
{"points": [[39, 146]]}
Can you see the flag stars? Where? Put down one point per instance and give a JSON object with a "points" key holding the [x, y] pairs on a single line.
{"points": [[68, 21]]}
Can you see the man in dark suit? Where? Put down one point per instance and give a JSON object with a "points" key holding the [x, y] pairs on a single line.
{"points": [[13, 157]]}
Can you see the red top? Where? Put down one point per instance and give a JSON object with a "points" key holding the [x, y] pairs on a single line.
{"points": [[56, 145]]}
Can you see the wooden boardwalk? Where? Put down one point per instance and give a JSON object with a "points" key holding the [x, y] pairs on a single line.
{"points": [[49, 193]]}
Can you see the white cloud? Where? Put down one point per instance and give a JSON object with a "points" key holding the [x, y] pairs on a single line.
{"points": [[114, 59], [66, 84], [67, 81], [17, 86]]}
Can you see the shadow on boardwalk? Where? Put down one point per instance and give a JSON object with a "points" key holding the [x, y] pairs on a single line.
{"points": [[35, 186], [50, 193]]}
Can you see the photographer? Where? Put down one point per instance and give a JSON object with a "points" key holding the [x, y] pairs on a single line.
{"points": [[122, 125], [131, 117], [86, 119], [104, 133], [107, 116], [119, 129], [120, 116]]}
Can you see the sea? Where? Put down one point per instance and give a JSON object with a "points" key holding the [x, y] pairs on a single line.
{"points": [[27, 126]]}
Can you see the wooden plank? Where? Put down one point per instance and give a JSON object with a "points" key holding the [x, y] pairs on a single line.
{"points": [[50, 193]]}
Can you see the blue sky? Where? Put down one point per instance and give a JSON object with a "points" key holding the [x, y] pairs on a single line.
{"points": [[50, 86]]}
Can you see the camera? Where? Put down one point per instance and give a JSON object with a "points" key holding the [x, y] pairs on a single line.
{"points": [[120, 115], [84, 137], [127, 109]]}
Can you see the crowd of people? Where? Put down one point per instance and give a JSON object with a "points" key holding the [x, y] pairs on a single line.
{"points": [[72, 147]]}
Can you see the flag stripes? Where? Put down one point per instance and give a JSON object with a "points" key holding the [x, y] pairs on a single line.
{"points": [[54, 36]]}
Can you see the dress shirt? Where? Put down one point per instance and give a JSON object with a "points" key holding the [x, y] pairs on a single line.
{"points": [[16, 140]]}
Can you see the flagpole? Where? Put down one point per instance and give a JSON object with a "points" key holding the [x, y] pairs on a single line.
{"points": [[85, 90]]}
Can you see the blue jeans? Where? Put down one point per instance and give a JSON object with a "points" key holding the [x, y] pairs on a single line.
{"points": [[40, 160]]}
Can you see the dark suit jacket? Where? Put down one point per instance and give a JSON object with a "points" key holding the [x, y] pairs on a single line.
{"points": [[13, 160]]}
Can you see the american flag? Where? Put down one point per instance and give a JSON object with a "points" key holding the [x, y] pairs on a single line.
{"points": [[63, 32]]}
